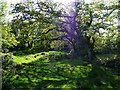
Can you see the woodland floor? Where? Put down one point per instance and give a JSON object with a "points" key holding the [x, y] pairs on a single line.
{"points": [[38, 71]]}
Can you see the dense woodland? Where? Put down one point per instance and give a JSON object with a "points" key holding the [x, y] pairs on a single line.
{"points": [[51, 45]]}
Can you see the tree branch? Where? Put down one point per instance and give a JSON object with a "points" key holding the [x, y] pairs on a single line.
{"points": [[66, 16], [91, 18], [110, 12], [49, 30]]}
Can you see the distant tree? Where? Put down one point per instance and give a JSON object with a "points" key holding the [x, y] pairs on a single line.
{"points": [[3, 7], [118, 38], [8, 40]]}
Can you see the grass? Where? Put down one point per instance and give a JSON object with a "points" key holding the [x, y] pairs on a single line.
{"points": [[73, 62], [63, 73], [26, 58], [106, 56], [32, 57], [57, 52]]}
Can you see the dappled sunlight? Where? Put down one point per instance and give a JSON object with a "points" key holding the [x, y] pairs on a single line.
{"points": [[48, 73], [53, 45], [32, 74]]}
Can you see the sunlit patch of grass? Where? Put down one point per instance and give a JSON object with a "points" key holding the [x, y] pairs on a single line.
{"points": [[68, 86], [57, 52], [33, 57], [63, 86], [56, 79], [50, 86], [20, 60], [26, 58]]}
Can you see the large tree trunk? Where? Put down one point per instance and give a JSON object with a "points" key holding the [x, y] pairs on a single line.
{"points": [[83, 47]]}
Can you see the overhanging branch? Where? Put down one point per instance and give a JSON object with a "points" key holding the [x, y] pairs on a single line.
{"points": [[49, 30]]}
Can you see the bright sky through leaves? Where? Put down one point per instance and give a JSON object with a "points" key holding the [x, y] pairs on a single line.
{"points": [[62, 1]]}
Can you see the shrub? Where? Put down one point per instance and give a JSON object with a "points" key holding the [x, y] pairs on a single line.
{"points": [[9, 69], [18, 53], [54, 56]]}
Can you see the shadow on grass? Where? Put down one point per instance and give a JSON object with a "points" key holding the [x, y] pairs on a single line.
{"points": [[40, 74], [37, 77], [101, 78]]}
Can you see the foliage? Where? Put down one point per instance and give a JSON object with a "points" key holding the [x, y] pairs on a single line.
{"points": [[83, 30], [8, 69], [35, 19], [8, 40], [58, 45], [3, 7], [81, 27], [43, 25], [106, 56]]}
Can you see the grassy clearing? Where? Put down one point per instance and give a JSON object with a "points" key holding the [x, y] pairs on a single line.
{"points": [[32, 57], [26, 58], [63, 73], [63, 76]]}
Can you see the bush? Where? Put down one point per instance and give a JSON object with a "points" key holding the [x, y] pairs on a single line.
{"points": [[9, 69], [18, 53], [54, 56]]}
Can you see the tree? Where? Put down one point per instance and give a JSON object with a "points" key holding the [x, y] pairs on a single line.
{"points": [[2, 15], [3, 6], [8, 40], [31, 20], [80, 27]]}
